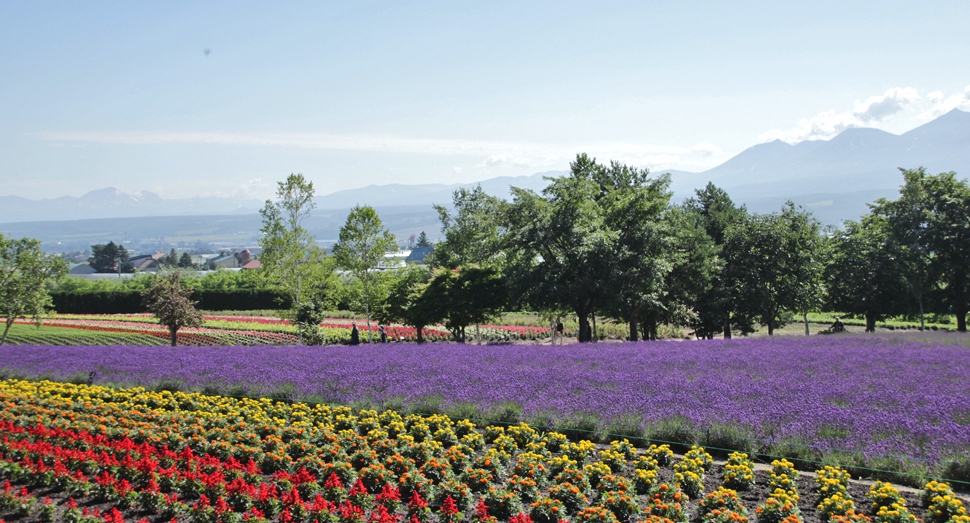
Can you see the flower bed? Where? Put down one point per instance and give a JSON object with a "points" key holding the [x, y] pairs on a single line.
{"points": [[91, 454], [851, 401]]}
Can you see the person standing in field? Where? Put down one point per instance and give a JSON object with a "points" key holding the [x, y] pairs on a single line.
{"points": [[354, 335], [383, 334]]}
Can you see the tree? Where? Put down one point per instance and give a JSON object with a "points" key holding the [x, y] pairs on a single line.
{"points": [[361, 246], [717, 212], [290, 259], [110, 258], [590, 237], [23, 271], [185, 261], [473, 234], [170, 260], [406, 302], [775, 264], [467, 295], [423, 240], [863, 274], [170, 304], [930, 222]]}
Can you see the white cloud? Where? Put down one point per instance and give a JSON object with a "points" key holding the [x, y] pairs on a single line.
{"points": [[943, 105], [866, 113]]}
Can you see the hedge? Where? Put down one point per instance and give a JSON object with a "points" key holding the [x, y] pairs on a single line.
{"points": [[115, 302]]}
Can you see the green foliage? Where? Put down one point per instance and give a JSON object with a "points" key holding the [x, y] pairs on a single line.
{"points": [[473, 234], [110, 257], [589, 241], [168, 302], [291, 260], [465, 296], [406, 302], [360, 249], [24, 270], [775, 265]]}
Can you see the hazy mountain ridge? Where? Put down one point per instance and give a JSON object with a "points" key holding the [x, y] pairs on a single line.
{"points": [[834, 178], [115, 203]]}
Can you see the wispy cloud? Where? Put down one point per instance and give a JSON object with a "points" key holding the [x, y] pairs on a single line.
{"points": [[492, 153], [866, 113], [944, 104]]}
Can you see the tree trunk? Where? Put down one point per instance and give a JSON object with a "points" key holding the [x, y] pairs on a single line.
{"points": [[870, 323], [478, 336], [174, 333], [771, 328], [922, 322], [633, 328], [420, 336], [961, 320], [367, 307], [805, 318], [595, 337], [584, 333], [727, 330], [6, 330]]}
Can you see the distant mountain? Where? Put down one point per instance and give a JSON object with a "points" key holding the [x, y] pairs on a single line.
{"points": [[833, 178], [852, 166], [428, 194], [114, 203]]}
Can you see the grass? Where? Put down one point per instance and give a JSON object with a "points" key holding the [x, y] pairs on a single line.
{"points": [[32, 335]]}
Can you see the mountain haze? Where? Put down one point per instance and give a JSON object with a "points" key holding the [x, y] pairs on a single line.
{"points": [[834, 178]]}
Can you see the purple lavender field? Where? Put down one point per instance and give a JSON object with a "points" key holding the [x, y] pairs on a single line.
{"points": [[874, 397]]}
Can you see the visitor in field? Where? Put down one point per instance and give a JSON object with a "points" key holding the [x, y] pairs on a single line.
{"points": [[838, 326], [383, 334], [354, 335]]}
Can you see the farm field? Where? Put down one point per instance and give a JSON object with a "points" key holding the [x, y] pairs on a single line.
{"points": [[78, 453], [237, 330], [849, 401]]}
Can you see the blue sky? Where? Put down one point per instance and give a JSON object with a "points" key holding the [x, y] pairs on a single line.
{"points": [[226, 98]]}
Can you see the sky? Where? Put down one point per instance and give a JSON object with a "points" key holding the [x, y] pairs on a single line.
{"points": [[226, 99]]}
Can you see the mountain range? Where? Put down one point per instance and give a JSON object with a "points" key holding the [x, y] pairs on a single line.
{"points": [[833, 178]]}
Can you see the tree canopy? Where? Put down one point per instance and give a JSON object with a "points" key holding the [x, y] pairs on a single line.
{"points": [[362, 243], [24, 270], [290, 260]]}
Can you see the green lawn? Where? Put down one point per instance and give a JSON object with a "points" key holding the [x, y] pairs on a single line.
{"points": [[31, 335]]}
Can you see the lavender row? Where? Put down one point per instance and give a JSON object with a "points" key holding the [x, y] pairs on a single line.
{"points": [[873, 396]]}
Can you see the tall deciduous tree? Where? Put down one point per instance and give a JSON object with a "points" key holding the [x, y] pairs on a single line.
{"points": [[930, 222], [466, 295], [717, 212], [361, 247], [406, 302], [863, 274], [473, 233], [775, 261], [23, 270], [290, 259], [590, 236], [171, 304]]}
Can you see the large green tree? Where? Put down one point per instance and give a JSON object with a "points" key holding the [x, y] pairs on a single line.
{"points": [[466, 295], [715, 306], [930, 223], [863, 275], [362, 243], [290, 260], [775, 263], [473, 230], [589, 237], [406, 302], [171, 304], [24, 269]]}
